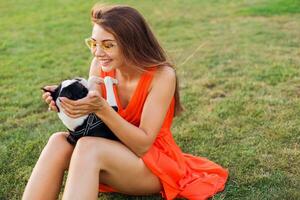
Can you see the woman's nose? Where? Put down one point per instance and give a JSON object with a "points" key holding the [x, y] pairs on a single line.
{"points": [[99, 51]]}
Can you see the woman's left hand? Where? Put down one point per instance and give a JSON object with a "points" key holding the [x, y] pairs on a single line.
{"points": [[92, 103]]}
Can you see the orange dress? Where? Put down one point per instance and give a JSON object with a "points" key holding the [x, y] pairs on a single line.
{"points": [[181, 175]]}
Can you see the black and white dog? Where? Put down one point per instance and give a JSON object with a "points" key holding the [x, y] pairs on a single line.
{"points": [[88, 125]]}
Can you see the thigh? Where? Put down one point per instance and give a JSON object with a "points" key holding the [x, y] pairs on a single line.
{"points": [[124, 171]]}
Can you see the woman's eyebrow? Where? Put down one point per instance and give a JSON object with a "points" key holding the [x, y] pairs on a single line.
{"points": [[110, 40], [103, 40]]}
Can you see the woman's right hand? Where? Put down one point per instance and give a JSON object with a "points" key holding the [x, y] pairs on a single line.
{"points": [[48, 99]]}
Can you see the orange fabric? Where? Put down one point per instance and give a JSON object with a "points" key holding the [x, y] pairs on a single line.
{"points": [[182, 175]]}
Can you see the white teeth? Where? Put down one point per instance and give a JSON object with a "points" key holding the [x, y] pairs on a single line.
{"points": [[105, 62], [106, 69], [105, 65]]}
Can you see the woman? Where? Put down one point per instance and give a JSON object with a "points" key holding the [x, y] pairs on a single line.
{"points": [[147, 160]]}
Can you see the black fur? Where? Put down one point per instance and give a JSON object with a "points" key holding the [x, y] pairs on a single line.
{"points": [[74, 91]]}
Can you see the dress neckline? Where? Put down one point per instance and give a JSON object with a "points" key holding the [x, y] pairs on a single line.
{"points": [[133, 96]]}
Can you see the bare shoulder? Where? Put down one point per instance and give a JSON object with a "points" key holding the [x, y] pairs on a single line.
{"points": [[164, 74], [164, 81]]}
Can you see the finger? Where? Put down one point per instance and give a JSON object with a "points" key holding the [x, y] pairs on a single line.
{"points": [[66, 106], [50, 87], [53, 106], [69, 101], [80, 103], [79, 109], [75, 109], [48, 99], [69, 109], [45, 95], [74, 113]]}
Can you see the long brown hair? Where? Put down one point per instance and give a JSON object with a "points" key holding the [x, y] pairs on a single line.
{"points": [[135, 38]]}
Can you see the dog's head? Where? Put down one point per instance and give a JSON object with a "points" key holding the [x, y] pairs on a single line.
{"points": [[73, 89]]}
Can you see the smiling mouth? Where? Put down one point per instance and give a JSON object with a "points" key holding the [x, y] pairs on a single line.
{"points": [[105, 65], [105, 62]]}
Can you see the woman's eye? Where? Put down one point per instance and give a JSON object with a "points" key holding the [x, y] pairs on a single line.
{"points": [[108, 45]]}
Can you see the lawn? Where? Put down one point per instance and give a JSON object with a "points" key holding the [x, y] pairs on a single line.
{"points": [[238, 64]]}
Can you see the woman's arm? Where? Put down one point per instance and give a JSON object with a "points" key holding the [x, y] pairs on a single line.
{"points": [[139, 139], [94, 72]]}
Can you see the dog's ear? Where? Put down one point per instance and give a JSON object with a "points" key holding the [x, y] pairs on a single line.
{"points": [[55, 93]]}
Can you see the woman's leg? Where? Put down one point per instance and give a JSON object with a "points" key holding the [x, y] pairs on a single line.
{"points": [[116, 166], [46, 178]]}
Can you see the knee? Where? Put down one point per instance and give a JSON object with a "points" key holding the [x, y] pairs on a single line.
{"points": [[86, 146], [89, 150], [58, 145], [57, 140], [57, 150]]}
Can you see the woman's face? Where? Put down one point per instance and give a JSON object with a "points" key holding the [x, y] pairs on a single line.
{"points": [[106, 49]]}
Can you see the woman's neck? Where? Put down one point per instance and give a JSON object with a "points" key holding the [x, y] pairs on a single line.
{"points": [[128, 73]]}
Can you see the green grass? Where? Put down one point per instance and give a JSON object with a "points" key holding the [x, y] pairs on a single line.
{"points": [[275, 7], [241, 90]]}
